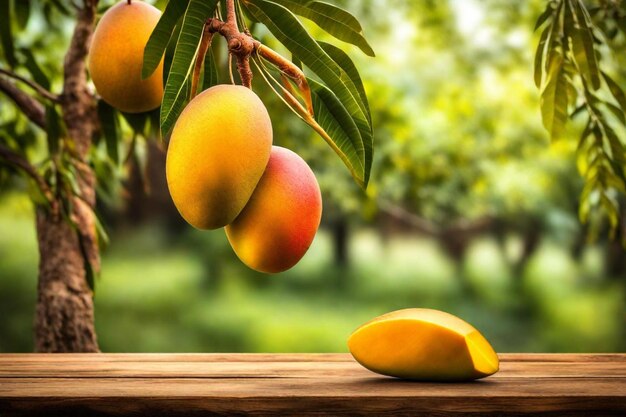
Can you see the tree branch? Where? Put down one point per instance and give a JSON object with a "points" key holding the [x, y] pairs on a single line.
{"points": [[205, 44], [241, 45], [289, 69], [38, 88], [231, 14], [33, 109], [20, 162], [79, 107]]}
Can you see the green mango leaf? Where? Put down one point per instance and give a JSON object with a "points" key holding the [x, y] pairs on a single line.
{"points": [[616, 91], [334, 20], [614, 144], [35, 70], [53, 129], [554, 97], [582, 42], [160, 37], [191, 30], [109, 122], [137, 121], [62, 8], [617, 112], [549, 11], [22, 12], [540, 54], [342, 133], [351, 78], [289, 31], [6, 35]]}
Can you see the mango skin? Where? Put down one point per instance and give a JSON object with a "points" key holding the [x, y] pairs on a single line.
{"points": [[423, 344], [218, 151], [116, 58], [279, 223]]}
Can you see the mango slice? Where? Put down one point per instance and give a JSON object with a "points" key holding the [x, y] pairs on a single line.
{"points": [[423, 344]]}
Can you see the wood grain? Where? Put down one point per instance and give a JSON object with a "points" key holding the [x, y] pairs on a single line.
{"points": [[302, 384]]}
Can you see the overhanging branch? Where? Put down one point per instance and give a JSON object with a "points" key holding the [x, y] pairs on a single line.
{"points": [[38, 88], [18, 161], [33, 109]]}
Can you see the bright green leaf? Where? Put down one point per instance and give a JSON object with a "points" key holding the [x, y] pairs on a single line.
{"points": [[343, 134], [161, 35], [174, 97], [35, 70], [334, 20], [109, 122], [289, 31], [554, 98], [582, 42], [616, 91], [539, 54]]}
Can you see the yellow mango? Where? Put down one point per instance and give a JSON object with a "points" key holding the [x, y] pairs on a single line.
{"points": [[116, 58], [219, 148], [423, 344], [277, 226]]}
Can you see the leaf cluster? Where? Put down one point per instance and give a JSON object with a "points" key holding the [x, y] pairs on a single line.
{"points": [[341, 113], [575, 83]]}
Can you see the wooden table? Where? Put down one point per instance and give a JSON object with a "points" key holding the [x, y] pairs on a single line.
{"points": [[300, 384]]}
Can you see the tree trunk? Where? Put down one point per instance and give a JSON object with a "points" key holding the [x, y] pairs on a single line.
{"points": [[68, 247], [64, 316], [339, 229]]}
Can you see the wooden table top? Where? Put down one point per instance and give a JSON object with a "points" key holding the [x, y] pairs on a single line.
{"points": [[301, 384]]}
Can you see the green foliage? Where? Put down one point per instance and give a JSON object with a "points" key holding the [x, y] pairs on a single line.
{"points": [[6, 35], [110, 125], [160, 37], [183, 62], [341, 84], [334, 20], [569, 70], [283, 24]]}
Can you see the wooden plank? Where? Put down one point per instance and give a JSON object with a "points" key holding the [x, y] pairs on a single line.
{"points": [[276, 369], [246, 395], [302, 384], [175, 357], [280, 357]]}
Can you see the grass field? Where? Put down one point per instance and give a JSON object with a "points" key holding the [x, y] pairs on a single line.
{"points": [[162, 293]]}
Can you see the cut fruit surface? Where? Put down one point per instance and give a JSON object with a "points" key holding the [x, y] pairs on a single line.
{"points": [[423, 344]]}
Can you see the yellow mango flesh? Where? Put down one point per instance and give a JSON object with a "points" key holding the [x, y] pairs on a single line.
{"points": [[277, 226], [423, 344], [218, 151], [116, 58]]}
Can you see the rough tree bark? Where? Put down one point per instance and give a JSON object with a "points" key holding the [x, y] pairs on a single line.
{"points": [[64, 319]]}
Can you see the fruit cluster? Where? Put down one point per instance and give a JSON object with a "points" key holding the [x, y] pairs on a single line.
{"points": [[222, 170]]}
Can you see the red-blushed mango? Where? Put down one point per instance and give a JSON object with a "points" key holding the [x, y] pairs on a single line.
{"points": [[218, 151], [277, 226], [116, 58], [423, 344]]}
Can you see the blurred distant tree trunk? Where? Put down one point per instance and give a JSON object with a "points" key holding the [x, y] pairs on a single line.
{"points": [[615, 260], [148, 196], [339, 229], [68, 247], [340, 235], [531, 239]]}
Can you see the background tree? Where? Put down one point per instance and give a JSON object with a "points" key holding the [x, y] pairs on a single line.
{"points": [[85, 136]]}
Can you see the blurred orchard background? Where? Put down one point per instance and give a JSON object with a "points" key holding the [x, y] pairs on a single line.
{"points": [[470, 210]]}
